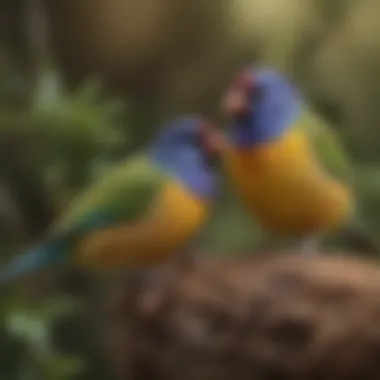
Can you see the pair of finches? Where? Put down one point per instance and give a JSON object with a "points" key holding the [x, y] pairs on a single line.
{"points": [[150, 206]]}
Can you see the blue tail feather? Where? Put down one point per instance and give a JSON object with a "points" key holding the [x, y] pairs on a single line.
{"points": [[37, 258]]}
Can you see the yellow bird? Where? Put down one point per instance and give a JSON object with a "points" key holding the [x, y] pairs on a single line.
{"points": [[272, 163], [142, 211]]}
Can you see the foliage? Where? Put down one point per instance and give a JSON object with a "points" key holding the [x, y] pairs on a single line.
{"points": [[82, 129], [77, 133], [26, 348]]}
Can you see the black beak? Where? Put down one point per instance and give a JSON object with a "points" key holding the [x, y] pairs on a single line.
{"points": [[237, 101], [212, 143]]}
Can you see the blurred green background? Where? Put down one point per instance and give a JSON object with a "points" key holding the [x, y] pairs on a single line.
{"points": [[85, 82]]}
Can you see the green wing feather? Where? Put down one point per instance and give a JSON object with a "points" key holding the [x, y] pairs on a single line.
{"points": [[332, 154], [125, 193], [327, 145]]}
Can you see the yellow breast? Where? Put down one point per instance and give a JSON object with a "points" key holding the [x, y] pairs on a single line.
{"points": [[286, 189], [173, 220]]}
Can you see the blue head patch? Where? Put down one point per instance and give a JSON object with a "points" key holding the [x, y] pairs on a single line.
{"points": [[274, 105], [179, 150]]}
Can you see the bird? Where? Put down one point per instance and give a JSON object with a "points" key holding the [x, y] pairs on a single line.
{"points": [[272, 156], [140, 212]]}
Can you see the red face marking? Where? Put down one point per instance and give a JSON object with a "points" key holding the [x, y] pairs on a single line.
{"points": [[212, 140], [237, 98]]}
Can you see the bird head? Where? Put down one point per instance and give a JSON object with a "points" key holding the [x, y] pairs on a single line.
{"points": [[189, 148], [261, 105]]}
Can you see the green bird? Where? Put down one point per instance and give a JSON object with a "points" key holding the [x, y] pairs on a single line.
{"points": [[286, 164], [141, 211]]}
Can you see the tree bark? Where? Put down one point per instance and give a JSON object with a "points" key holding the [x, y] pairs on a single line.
{"points": [[263, 318]]}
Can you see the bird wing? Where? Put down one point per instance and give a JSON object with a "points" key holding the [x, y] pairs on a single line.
{"points": [[327, 145], [125, 194]]}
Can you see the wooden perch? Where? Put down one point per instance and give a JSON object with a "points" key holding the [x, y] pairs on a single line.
{"points": [[271, 317]]}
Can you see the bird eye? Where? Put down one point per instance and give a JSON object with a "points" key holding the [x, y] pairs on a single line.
{"points": [[254, 91], [254, 94], [243, 119], [196, 139], [257, 92]]}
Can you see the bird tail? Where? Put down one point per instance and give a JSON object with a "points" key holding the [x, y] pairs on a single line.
{"points": [[42, 256]]}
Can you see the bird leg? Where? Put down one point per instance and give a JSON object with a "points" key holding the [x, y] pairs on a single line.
{"points": [[309, 246]]}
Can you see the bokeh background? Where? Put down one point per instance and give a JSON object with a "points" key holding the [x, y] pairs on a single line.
{"points": [[85, 82]]}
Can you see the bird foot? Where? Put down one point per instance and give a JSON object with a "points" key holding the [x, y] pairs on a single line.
{"points": [[309, 248]]}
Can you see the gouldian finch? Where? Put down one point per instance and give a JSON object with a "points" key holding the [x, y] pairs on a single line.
{"points": [[272, 160], [141, 211]]}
